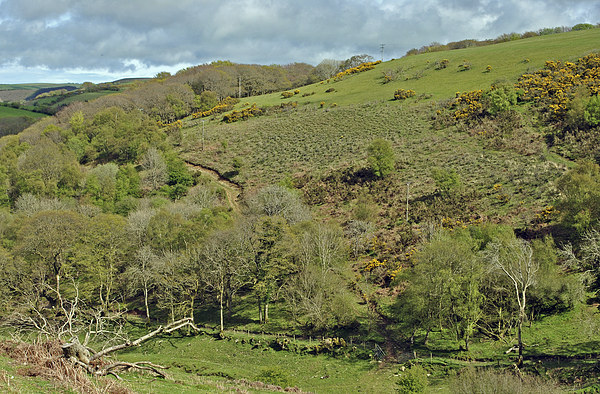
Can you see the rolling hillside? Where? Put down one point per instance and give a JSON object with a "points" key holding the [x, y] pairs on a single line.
{"points": [[292, 258]]}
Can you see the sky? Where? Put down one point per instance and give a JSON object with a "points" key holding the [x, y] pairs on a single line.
{"points": [[104, 40]]}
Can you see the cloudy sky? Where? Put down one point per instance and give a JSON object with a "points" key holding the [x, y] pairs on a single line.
{"points": [[103, 40]]}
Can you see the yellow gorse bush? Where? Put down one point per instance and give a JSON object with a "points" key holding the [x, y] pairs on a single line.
{"points": [[358, 69], [402, 94], [556, 83], [469, 104]]}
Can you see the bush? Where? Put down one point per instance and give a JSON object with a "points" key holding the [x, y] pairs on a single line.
{"points": [[413, 380], [287, 94], [330, 90], [441, 64], [592, 111], [381, 157], [500, 98], [402, 94], [274, 375]]}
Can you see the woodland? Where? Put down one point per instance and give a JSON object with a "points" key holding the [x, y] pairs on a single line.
{"points": [[429, 222]]}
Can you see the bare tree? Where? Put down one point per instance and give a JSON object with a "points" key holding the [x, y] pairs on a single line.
{"points": [[154, 174], [141, 274], [515, 260]]}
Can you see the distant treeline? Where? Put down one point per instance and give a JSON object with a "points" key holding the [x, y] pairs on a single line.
{"points": [[437, 47]]}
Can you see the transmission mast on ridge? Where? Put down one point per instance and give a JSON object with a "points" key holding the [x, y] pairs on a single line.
{"points": [[382, 46]]}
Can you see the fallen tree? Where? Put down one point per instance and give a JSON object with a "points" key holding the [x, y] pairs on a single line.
{"points": [[92, 361]]}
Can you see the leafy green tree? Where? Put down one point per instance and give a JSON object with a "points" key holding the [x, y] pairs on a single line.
{"points": [[443, 287], [269, 265], [446, 180], [381, 157], [580, 197], [206, 100], [100, 257], [49, 239]]}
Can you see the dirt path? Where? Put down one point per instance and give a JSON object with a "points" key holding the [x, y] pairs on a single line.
{"points": [[233, 190]]}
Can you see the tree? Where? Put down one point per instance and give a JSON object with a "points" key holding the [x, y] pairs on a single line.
{"points": [[580, 197], [355, 61], [316, 292], [514, 259], [381, 157], [443, 286], [154, 173], [328, 68], [224, 266], [141, 275], [100, 255], [269, 264], [279, 201], [49, 239], [592, 111]]}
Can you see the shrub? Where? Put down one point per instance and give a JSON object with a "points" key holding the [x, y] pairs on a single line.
{"points": [[464, 66], [445, 180], [500, 98], [287, 94], [330, 90], [413, 380], [441, 64], [274, 375], [402, 94], [592, 111], [296, 91], [381, 157]]}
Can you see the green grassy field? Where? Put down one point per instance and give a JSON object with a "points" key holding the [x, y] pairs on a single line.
{"points": [[7, 112], [508, 60]]}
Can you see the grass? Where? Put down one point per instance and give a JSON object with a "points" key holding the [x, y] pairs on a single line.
{"points": [[8, 112], [508, 61], [203, 362]]}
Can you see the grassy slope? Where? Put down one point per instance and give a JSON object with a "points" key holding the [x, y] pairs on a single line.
{"points": [[209, 362], [506, 59], [313, 140], [7, 112]]}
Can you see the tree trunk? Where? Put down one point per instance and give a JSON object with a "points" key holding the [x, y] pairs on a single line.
{"points": [[520, 339], [60, 301], [266, 316], [146, 303], [221, 308]]}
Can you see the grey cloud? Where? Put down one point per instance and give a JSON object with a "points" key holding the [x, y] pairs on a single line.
{"points": [[109, 34]]}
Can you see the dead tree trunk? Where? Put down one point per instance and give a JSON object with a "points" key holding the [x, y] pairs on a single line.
{"points": [[87, 358]]}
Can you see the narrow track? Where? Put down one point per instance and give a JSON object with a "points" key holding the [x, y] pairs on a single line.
{"points": [[233, 190]]}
